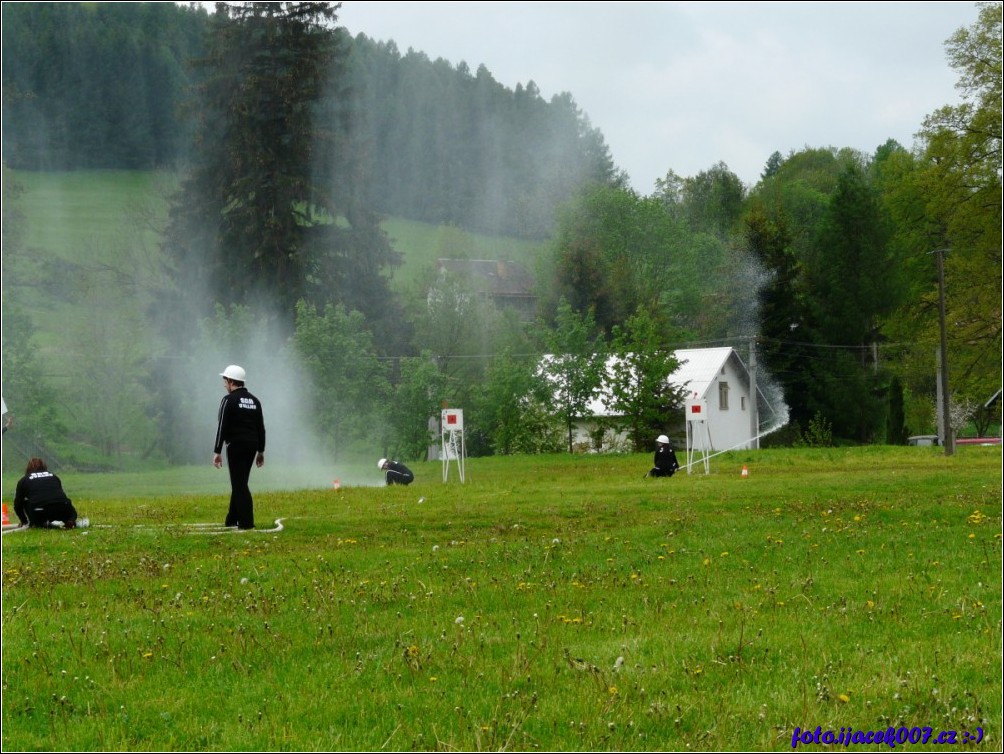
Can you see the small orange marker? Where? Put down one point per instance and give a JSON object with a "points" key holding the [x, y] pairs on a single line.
{"points": [[746, 472]]}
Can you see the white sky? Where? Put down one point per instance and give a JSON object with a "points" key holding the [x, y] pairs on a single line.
{"points": [[684, 85]]}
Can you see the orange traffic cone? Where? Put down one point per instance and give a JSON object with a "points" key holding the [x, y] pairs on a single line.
{"points": [[6, 516], [746, 472], [337, 484]]}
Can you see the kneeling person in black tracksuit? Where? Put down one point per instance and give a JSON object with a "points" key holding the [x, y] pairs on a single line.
{"points": [[39, 499], [397, 473], [665, 463]]}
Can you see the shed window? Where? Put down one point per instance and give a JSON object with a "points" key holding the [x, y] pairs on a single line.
{"points": [[723, 396]]}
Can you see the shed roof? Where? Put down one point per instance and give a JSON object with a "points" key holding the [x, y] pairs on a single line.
{"points": [[496, 277]]}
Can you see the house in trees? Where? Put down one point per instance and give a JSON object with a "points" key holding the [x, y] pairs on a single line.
{"points": [[716, 381], [508, 285]]}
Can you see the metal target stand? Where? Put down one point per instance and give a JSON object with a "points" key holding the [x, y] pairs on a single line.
{"points": [[698, 430], [452, 441]]}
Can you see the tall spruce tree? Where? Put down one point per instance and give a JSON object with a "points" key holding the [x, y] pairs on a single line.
{"points": [[268, 212]]}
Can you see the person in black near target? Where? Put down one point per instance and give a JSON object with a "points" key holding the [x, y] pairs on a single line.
{"points": [[665, 463], [397, 473]]}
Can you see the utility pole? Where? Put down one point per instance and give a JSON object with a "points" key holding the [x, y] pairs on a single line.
{"points": [[949, 439], [754, 412]]}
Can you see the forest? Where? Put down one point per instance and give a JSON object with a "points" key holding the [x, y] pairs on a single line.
{"points": [[286, 145]]}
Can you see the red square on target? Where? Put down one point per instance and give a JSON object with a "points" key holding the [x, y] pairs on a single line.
{"points": [[451, 418]]}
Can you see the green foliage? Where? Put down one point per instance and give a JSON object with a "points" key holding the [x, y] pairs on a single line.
{"points": [[419, 395], [258, 210], [615, 251], [819, 433], [450, 146], [512, 409], [550, 603], [574, 363], [97, 85], [962, 191], [350, 387], [638, 380], [29, 396], [896, 431], [710, 202]]}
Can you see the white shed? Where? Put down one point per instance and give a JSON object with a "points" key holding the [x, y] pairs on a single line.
{"points": [[715, 377]]}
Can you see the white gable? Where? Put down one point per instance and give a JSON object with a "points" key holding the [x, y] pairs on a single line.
{"points": [[698, 372], [718, 378]]}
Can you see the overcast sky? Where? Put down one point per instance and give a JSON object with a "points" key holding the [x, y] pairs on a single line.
{"points": [[684, 85]]}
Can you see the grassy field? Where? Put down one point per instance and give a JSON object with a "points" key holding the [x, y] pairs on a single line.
{"points": [[91, 216], [554, 603]]}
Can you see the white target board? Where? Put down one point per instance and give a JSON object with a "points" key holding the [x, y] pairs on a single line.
{"points": [[698, 432], [454, 447]]}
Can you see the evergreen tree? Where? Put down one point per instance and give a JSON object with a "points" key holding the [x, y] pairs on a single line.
{"points": [[269, 209]]}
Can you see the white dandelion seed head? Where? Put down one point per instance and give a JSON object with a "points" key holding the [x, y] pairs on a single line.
{"points": [[459, 620]]}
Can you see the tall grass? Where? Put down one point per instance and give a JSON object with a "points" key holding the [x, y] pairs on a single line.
{"points": [[553, 603]]}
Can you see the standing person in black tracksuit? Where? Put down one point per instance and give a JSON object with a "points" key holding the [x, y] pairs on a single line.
{"points": [[397, 473], [39, 499], [242, 430]]}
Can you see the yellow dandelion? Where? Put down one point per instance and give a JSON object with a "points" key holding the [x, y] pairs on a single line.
{"points": [[844, 698]]}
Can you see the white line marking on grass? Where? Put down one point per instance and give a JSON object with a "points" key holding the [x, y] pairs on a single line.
{"points": [[197, 528]]}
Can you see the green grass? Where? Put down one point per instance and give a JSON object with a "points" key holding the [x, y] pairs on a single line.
{"points": [[555, 603], [74, 215], [82, 214]]}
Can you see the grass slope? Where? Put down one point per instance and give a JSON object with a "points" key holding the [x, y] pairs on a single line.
{"points": [[78, 215], [555, 603]]}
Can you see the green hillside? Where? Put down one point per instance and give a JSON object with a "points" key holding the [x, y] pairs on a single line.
{"points": [[84, 216], [91, 221]]}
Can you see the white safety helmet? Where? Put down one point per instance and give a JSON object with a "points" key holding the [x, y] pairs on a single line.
{"points": [[234, 372], [380, 463], [662, 439]]}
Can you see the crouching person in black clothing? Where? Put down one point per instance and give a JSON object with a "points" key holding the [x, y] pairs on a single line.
{"points": [[397, 473], [665, 458], [39, 499]]}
